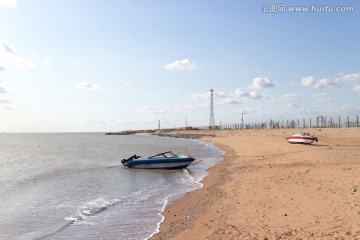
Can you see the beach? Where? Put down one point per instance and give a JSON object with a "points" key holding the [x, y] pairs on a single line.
{"points": [[267, 188]]}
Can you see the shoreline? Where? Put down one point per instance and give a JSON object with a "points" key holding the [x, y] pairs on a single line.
{"points": [[273, 190], [182, 213]]}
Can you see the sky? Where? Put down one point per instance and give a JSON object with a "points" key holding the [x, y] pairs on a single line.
{"points": [[98, 66]]}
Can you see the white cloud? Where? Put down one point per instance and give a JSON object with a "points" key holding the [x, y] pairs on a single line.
{"points": [[255, 95], [356, 88], [353, 78], [219, 98], [310, 81], [4, 86], [181, 65], [228, 101], [89, 86], [8, 3], [3, 90], [350, 78], [123, 110], [5, 101], [11, 56], [259, 82], [322, 97], [8, 108], [2, 68], [290, 100], [206, 95], [239, 93], [218, 94]]}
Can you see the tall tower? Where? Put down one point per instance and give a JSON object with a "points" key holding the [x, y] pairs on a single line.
{"points": [[212, 118]]}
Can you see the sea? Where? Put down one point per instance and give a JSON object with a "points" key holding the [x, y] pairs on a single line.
{"points": [[73, 185]]}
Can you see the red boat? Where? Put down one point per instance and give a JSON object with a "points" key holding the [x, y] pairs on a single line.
{"points": [[301, 137]]}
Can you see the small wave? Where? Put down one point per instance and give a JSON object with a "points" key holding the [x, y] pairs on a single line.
{"points": [[91, 208], [42, 233], [84, 212], [188, 176]]}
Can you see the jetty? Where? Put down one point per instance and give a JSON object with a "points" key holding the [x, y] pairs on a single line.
{"points": [[120, 133]]}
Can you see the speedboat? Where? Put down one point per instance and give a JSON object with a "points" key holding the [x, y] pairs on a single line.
{"points": [[161, 160], [301, 137]]}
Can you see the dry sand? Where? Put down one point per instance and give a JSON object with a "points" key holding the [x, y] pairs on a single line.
{"points": [[267, 188]]}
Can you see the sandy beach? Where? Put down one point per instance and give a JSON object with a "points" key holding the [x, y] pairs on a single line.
{"points": [[267, 188]]}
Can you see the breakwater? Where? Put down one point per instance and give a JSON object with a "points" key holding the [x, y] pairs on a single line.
{"points": [[184, 135]]}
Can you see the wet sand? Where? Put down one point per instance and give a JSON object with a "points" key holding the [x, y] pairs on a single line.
{"points": [[267, 188]]}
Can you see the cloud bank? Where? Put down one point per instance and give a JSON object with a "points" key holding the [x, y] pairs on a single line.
{"points": [[352, 79]]}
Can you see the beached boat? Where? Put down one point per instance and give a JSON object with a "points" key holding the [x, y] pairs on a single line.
{"points": [[161, 160], [301, 137]]}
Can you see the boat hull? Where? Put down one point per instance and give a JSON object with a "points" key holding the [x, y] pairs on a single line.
{"points": [[162, 160], [154, 163], [300, 140]]}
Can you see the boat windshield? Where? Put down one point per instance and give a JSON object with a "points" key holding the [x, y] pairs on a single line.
{"points": [[169, 154]]}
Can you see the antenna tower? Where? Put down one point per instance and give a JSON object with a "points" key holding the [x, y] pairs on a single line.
{"points": [[212, 118]]}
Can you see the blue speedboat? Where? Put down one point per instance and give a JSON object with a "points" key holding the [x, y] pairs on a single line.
{"points": [[161, 160]]}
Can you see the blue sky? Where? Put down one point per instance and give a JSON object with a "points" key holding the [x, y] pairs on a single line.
{"points": [[91, 65]]}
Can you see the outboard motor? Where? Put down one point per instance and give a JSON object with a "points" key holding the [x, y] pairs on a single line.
{"points": [[130, 158]]}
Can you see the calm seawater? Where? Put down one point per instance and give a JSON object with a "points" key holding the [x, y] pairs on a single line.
{"points": [[73, 186]]}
